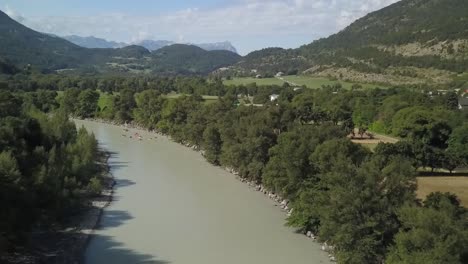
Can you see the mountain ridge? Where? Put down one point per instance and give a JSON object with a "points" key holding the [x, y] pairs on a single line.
{"points": [[22, 46], [410, 41], [152, 45]]}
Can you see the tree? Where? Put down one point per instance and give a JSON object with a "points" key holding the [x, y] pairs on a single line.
{"points": [[149, 105], [87, 103], [421, 124], [124, 103], [69, 101], [363, 115], [358, 209], [289, 164], [9, 104], [212, 144], [429, 235], [458, 144]]}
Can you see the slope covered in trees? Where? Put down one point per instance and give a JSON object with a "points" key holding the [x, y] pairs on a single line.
{"points": [[400, 39], [188, 59], [23, 46]]}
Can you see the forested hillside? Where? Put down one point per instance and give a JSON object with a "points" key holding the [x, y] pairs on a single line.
{"points": [[426, 40], [23, 46], [7, 68], [188, 59]]}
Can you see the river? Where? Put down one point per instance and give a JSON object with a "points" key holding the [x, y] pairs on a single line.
{"points": [[171, 206]]}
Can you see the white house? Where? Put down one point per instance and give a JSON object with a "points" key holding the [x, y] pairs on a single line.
{"points": [[463, 103], [274, 97]]}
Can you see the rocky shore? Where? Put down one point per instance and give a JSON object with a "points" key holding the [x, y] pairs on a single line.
{"points": [[283, 204], [67, 244]]}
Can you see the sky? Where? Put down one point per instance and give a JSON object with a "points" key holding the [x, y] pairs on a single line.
{"points": [[248, 24]]}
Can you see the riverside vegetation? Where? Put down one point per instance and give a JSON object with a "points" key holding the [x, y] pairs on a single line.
{"points": [[362, 203], [48, 168]]}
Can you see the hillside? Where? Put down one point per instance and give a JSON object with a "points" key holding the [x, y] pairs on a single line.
{"points": [[189, 59], [22, 46], [152, 45], [411, 41], [7, 68]]}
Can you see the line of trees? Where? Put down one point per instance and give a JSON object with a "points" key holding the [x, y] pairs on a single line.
{"points": [[48, 168]]}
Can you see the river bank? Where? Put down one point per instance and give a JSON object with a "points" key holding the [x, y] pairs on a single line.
{"points": [[279, 202], [66, 244]]}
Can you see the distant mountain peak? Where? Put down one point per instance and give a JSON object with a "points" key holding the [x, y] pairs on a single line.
{"points": [[94, 42]]}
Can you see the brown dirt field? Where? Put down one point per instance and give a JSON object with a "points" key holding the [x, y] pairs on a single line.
{"points": [[457, 185], [372, 143]]}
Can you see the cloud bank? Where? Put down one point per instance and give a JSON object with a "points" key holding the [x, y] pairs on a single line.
{"points": [[249, 24]]}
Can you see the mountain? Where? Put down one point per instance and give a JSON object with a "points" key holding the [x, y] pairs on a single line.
{"points": [[22, 46], [93, 42], [411, 41], [7, 68], [226, 45], [190, 59], [152, 45]]}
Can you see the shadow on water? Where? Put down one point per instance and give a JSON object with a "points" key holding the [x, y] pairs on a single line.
{"points": [[107, 250], [115, 165], [113, 218], [123, 183]]}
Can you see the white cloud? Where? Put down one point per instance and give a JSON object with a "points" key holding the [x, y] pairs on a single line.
{"points": [[11, 13], [244, 22]]}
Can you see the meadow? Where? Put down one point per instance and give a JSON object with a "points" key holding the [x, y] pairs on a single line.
{"points": [[454, 184], [298, 80]]}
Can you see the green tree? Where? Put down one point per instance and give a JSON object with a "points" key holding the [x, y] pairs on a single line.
{"points": [[212, 144], [429, 235], [69, 101], [87, 103], [458, 143]]}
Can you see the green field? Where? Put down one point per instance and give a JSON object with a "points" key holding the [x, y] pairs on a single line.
{"points": [[318, 82], [308, 81], [248, 80]]}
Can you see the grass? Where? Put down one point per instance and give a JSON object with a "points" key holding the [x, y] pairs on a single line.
{"points": [[259, 82], [209, 99], [457, 185], [318, 82], [309, 81], [372, 143]]}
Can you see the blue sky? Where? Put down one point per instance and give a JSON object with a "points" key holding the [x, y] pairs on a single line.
{"points": [[248, 24]]}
